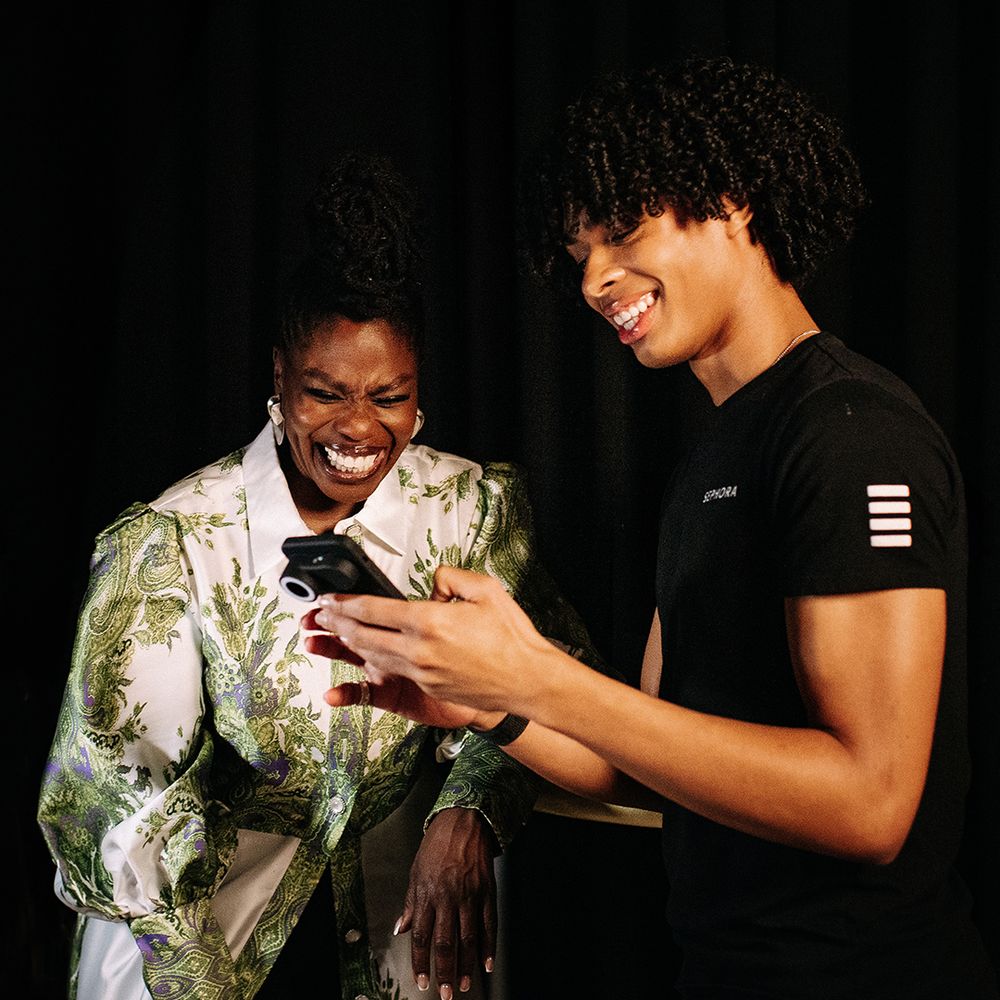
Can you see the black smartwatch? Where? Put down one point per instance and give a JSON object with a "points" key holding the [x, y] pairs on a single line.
{"points": [[505, 731]]}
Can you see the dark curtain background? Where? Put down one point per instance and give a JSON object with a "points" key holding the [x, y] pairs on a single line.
{"points": [[161, 155]]}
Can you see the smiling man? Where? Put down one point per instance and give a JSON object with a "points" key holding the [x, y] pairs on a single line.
{"points": [[802, 712]]}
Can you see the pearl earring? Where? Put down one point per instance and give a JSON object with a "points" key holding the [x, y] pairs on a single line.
{"points": [[417, 424], [277, 418]]}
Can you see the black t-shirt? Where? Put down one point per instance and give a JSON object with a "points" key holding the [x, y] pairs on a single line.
{"points": [[824, 475]]}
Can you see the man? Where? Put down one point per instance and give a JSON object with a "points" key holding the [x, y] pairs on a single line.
{"points": [[801, 718]]}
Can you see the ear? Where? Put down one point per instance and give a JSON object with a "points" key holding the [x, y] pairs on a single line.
{"points": [[737, 217], [278, 366]]}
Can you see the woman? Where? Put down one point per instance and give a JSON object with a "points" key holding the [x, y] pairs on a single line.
{"points": [[198, 786], [801, 718]]}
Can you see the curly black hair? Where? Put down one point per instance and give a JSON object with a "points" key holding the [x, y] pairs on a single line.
{"points": [[688, 136], [365, 260]]}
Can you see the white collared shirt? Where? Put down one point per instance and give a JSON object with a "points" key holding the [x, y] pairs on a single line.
{"points": [[194, 736]]}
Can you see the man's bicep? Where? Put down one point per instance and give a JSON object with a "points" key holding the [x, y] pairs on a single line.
{"points": [[869, 669], [652, 660]]}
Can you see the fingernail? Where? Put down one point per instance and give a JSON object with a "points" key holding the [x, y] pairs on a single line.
{"points": [[466, 984], [423, 983], [445, 991], [395, 929], [489, 964]]}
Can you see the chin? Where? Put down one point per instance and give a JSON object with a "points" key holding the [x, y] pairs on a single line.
{"points": [[650, 358], [354, 493]]}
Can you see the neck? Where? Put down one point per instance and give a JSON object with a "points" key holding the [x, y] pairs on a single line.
{"points": [[321, 519], [318, 511], [768, 321]]}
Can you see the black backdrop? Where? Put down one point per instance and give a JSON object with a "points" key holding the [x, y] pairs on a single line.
{"points": [[161, 155]]}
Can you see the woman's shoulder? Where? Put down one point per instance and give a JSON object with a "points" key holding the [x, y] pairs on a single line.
{"points": [[421, 469], [210, 486], [210, 497], [429, 462], [425, 468]]}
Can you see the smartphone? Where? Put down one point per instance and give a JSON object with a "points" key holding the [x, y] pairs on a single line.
{"points": [[331, 564]]}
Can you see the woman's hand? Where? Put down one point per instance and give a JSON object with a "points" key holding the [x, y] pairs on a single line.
{"points": [[450, 906], [471, 645]]}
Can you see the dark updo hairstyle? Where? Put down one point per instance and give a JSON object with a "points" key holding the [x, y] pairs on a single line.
{"points": [[687, 137], [364, 261]]}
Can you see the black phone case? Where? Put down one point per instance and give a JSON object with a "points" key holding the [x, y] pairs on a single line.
{"points": [[331, 564]]}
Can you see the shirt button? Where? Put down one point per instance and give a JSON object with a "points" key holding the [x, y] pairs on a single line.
{"points": [[336, 805], [353, 936], [354, 531]]}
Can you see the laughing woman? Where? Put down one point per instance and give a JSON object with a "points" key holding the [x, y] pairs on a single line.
{"points": [[201, 797]]}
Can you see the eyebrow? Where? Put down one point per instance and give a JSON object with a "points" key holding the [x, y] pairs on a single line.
{"points": [[399, 382]]}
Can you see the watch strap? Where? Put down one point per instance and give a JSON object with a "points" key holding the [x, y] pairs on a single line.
{"points": [[505, 731]]}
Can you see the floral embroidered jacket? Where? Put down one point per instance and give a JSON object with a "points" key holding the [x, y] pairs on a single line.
{"points": [[198, 784]]}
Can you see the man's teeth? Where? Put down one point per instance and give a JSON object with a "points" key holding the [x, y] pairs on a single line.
{"points": [[627, 318], [352, 463]]}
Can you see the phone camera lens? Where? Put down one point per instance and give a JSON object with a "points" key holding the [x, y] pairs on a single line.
{"points": [[297, 588]]}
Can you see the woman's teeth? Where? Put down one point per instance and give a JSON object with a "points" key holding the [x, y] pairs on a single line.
{"points": [[627, 318], [356, 464]]}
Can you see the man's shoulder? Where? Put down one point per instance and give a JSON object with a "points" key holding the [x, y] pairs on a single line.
{"points": [[833, 367], [836, 387]]}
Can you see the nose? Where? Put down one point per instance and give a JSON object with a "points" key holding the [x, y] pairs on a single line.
{"points": [[600, 273], [356, 421]]}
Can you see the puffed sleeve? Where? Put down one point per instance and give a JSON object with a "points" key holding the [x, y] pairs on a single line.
{"points": [[123, 806], [502, 544]]}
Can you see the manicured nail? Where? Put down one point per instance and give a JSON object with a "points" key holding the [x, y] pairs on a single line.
{"points": [[466, 984], [423, 983], [445, 991], [395, 929], [489, 964]]}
